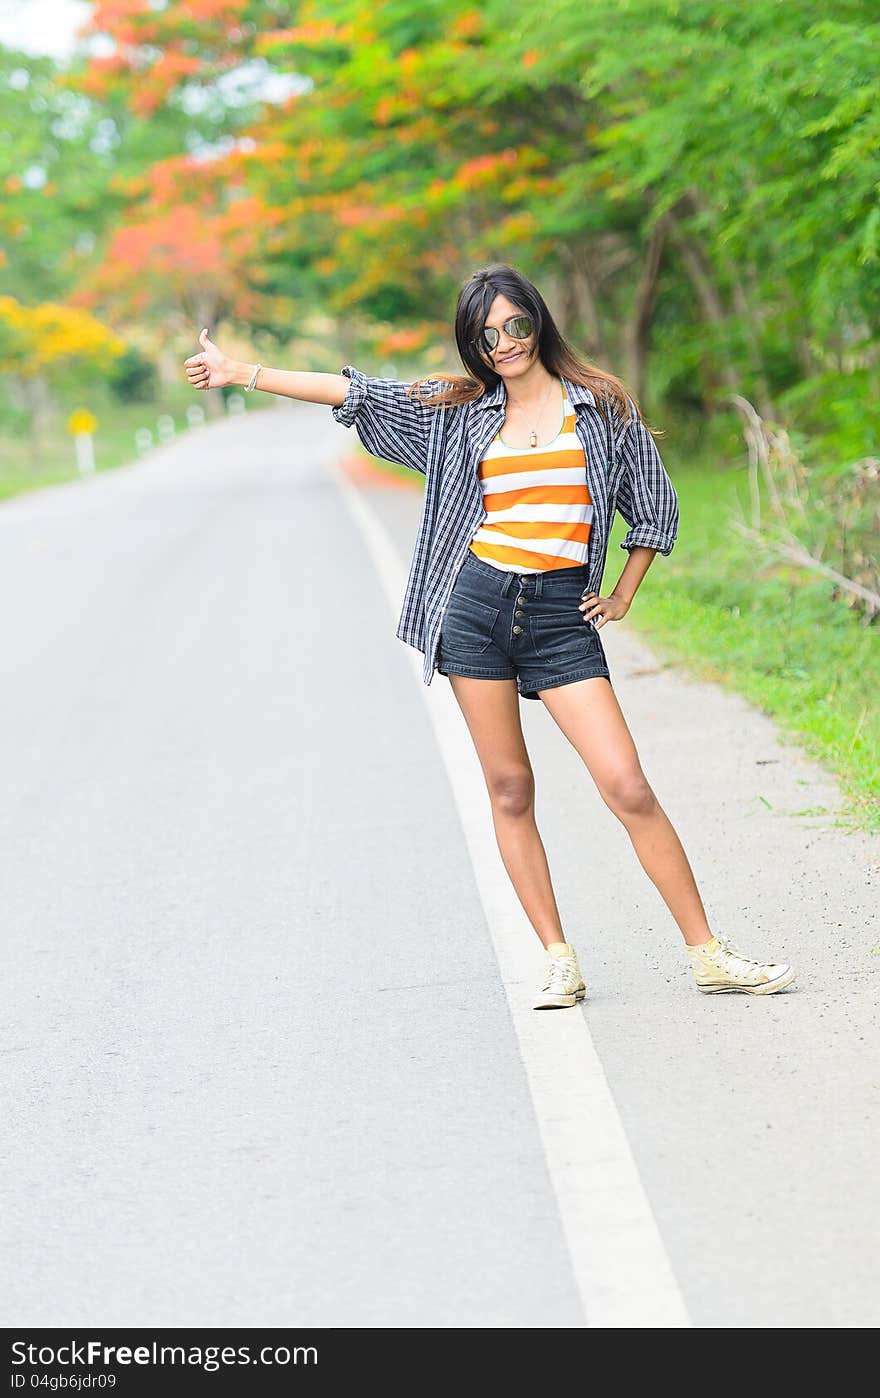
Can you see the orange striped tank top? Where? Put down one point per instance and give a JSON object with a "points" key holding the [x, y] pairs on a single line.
{"points": [[538, 508]]}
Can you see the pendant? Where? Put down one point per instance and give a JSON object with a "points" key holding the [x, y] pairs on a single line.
{"points": [[533, 439]]}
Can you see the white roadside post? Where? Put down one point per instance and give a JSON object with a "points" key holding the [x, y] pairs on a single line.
{"points": [[81, 424]]}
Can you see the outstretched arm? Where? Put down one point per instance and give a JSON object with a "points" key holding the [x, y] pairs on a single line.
{"points": [[214, 369], [390, 422]]}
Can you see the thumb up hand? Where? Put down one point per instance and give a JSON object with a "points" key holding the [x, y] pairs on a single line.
{"points": [[210, 369]]}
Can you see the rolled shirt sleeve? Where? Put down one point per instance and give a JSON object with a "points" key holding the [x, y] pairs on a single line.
{"points": [[646, 497], [390, 423]]}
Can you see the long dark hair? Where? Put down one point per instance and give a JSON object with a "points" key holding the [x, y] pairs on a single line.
{"points": [[474, 302]]}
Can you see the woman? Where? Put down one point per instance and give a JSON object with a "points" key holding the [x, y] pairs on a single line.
{"points": [[526, 458]]}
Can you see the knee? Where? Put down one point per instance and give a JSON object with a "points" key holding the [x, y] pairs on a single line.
{"points": [[629, 794], [512, 793]]}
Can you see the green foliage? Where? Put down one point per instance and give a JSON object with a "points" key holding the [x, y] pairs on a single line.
{"points": [[724, 155], [57, 160], [839, 414], [133, 378], [767, 630]]}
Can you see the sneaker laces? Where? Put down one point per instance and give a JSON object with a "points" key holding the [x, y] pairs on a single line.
{"points": [[736, 962], [561, 975]]}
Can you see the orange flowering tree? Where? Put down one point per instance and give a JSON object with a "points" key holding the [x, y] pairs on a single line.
{"points": [[644, 162], [412, 161], [190, 250], [403, 158]]}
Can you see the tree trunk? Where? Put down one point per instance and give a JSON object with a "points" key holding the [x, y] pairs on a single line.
{"points": [[699, 268], [637, 332], [581, 298], [556, 293], [702, 279], [38, 401], [752, 328], [169, 364]]}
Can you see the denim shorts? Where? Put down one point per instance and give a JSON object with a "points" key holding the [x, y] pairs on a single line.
{"points": [[522, 626]]}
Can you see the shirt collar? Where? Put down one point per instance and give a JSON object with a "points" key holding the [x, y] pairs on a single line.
{"points": [[578, 395]]}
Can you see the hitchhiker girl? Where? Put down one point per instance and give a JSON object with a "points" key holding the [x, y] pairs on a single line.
{"points": [[526, 456]]}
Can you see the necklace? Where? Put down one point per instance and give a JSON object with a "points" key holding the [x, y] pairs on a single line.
{"points": [[533, 434]]}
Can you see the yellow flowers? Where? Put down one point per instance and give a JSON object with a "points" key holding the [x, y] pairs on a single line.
{"points": [[34, 338]]}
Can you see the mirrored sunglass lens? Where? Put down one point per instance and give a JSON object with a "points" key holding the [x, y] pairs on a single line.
{"points": [[491, 336], [520, 327]]}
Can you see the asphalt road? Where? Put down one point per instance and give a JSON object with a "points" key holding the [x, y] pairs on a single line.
{"points": [[259, 1064]]}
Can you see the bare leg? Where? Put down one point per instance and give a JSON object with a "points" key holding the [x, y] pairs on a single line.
{"points": [[491, 711], [589, 715]]}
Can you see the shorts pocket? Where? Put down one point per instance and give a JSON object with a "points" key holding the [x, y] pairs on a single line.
{"points": [[565, 637], [468, 624]]}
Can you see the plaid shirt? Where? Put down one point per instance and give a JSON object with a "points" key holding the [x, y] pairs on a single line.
{"points": [[446, 445]]}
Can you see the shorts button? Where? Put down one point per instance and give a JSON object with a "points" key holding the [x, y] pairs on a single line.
{"points": [[517, 630]]}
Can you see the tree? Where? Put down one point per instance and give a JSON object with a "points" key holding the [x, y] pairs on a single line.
{"points": [[47, 344]]}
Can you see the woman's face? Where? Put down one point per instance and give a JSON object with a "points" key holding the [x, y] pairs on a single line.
{"points": [[510, 358]]}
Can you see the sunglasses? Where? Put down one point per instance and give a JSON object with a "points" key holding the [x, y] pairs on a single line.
{"points": [[518, 328]]}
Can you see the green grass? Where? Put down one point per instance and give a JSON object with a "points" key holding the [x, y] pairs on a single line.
{"points": [[114, 440], [769, 631]]}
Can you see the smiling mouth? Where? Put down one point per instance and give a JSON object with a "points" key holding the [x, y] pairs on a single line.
{"points": [[508, 357]]}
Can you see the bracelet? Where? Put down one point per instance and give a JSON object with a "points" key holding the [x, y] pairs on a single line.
{"points": [[253, 381]]}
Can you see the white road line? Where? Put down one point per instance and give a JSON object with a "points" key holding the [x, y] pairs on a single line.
{"points": [[622, 1270]]}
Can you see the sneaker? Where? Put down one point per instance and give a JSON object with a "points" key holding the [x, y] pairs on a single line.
{"points": [[718, 968], [564, 984]]}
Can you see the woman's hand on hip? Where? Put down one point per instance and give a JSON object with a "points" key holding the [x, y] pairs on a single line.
{"points": [[602, 608]]}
